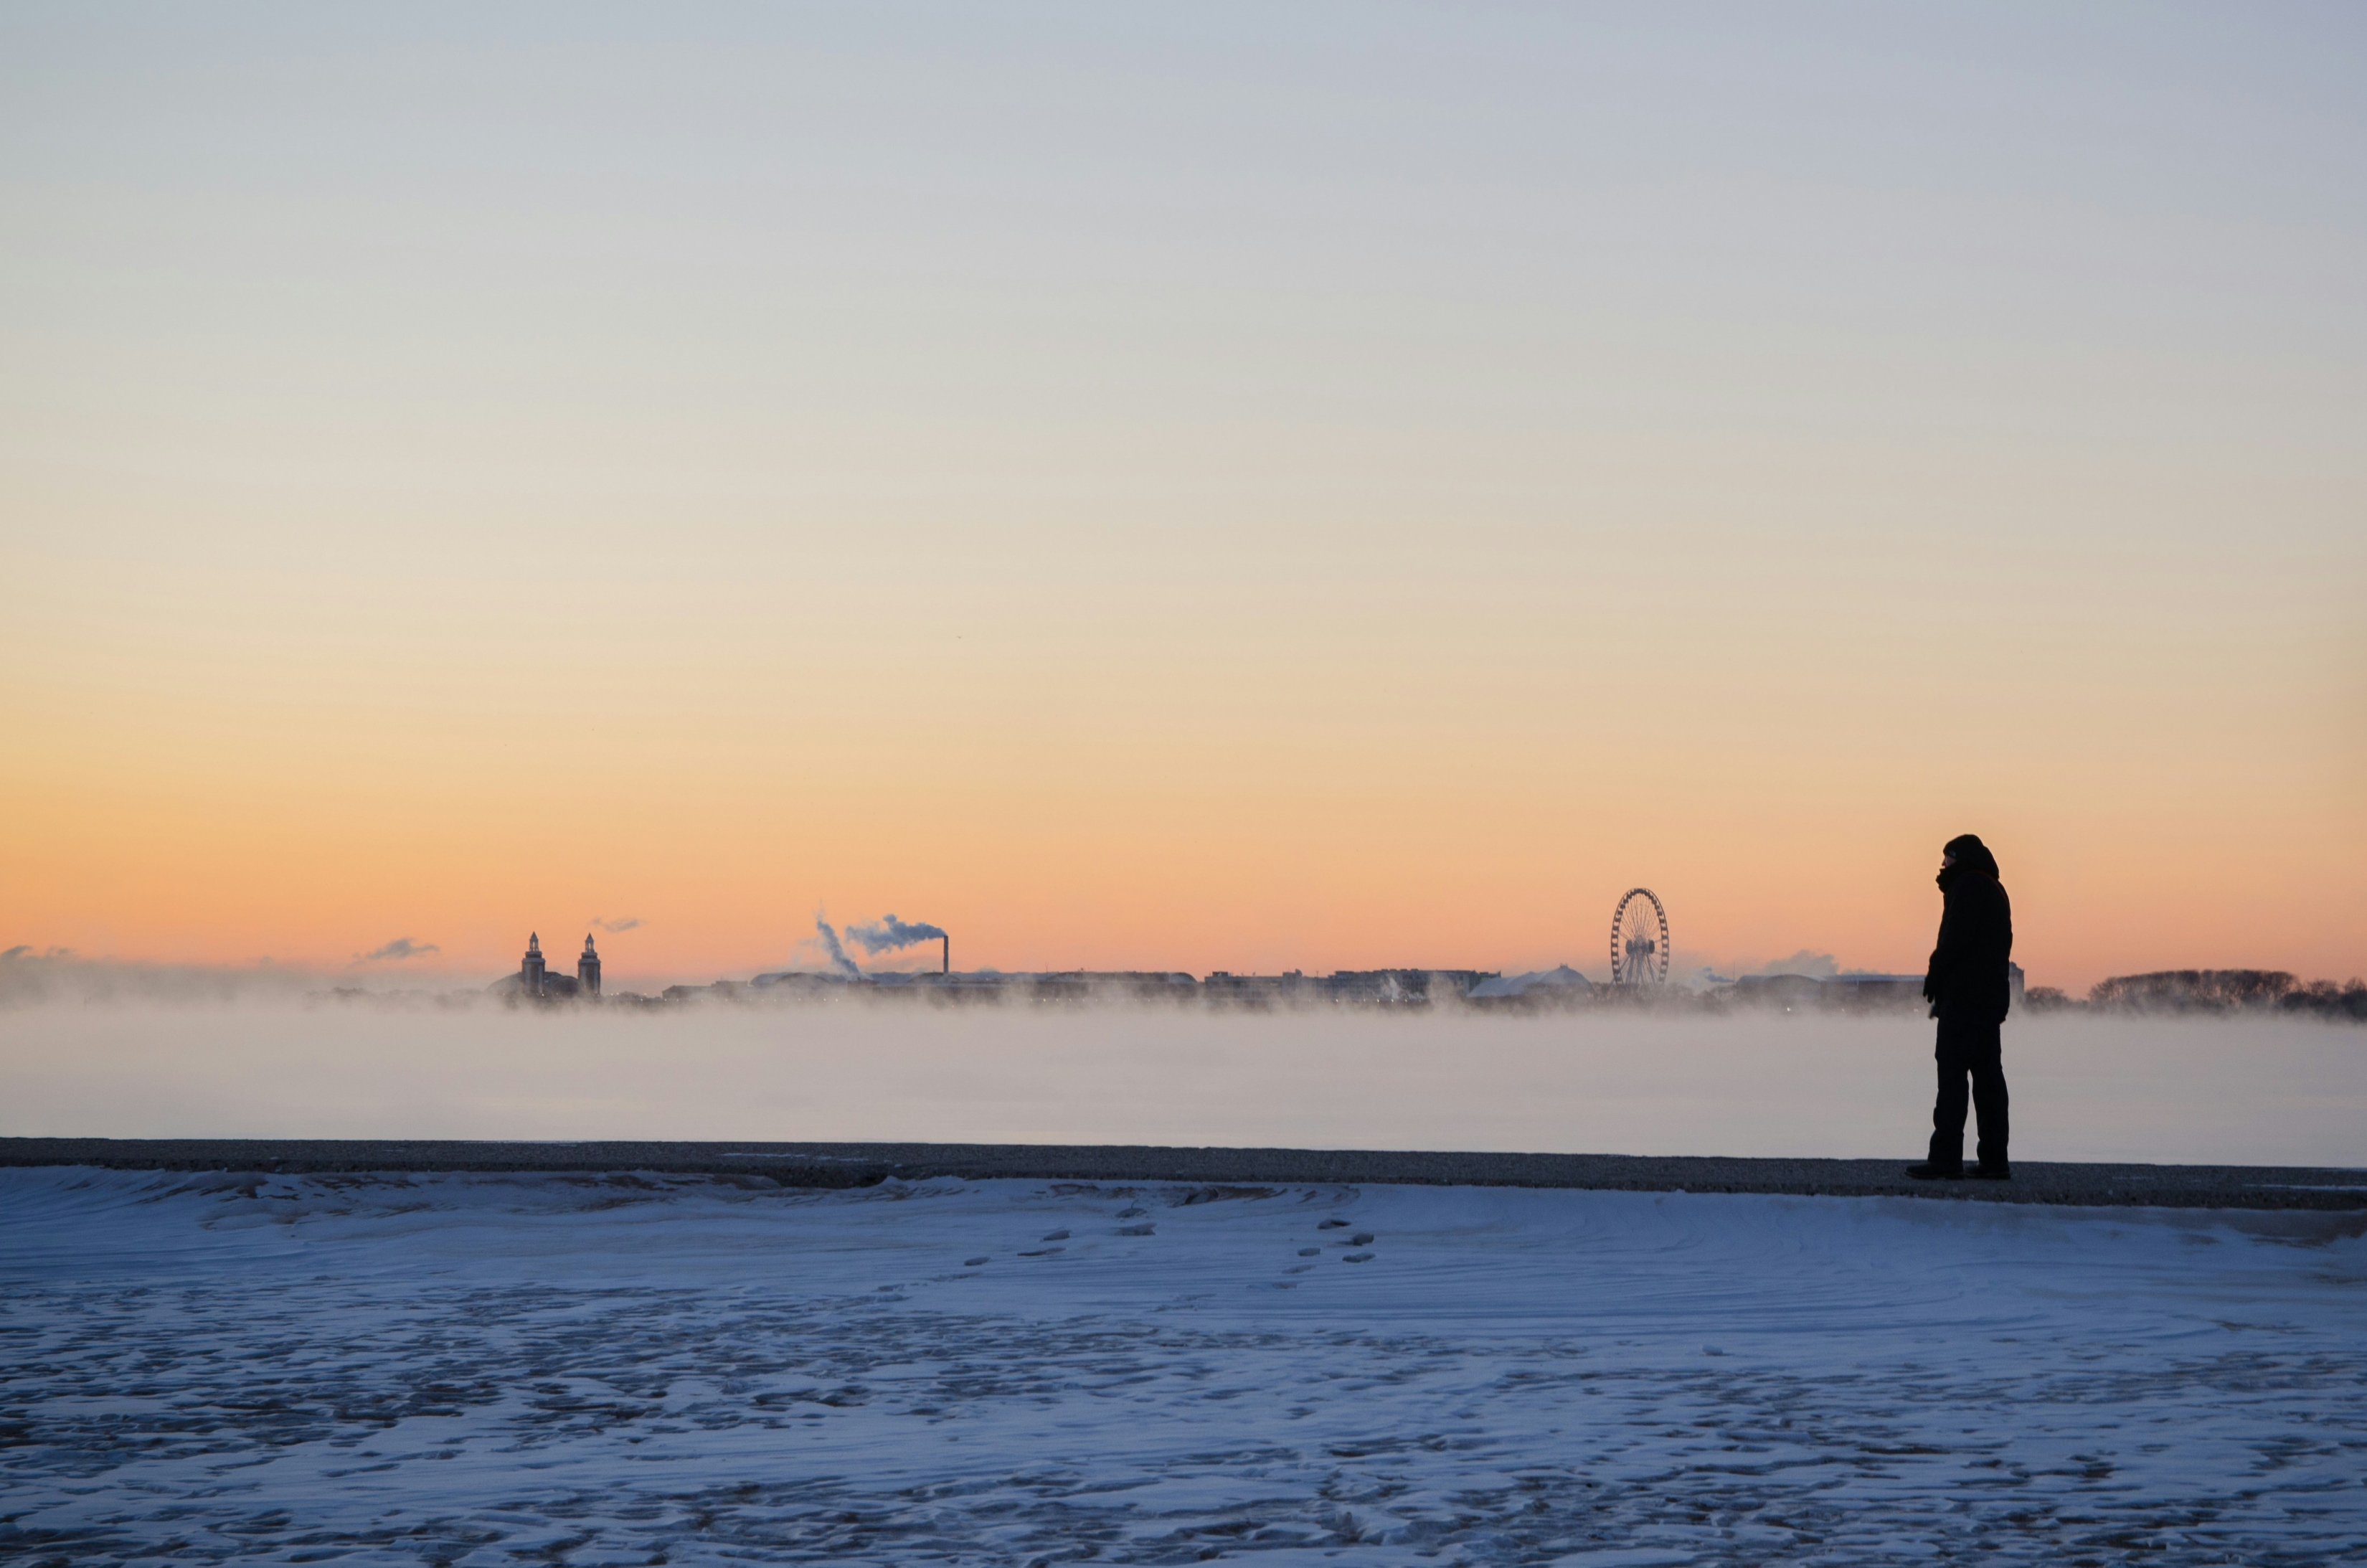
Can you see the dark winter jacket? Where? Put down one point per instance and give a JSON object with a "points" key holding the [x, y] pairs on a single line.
{"points": [[1967, 977]]}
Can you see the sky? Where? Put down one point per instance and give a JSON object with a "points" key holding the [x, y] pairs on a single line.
{"points": [[1194, 487]]}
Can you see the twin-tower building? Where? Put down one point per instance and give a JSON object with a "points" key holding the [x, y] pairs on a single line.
{"points": [[534, 977]]}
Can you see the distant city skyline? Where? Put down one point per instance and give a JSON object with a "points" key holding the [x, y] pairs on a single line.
{"points": [[1222, 487]]}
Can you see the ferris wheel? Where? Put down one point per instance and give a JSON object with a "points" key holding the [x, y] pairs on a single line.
{"points": [[1640, 939]]}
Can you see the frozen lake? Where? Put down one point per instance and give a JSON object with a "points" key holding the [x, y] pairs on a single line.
{"points": [[2203, 1091], [474, 1369]]}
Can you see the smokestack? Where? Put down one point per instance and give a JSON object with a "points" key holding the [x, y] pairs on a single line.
{"points": [[946, 965]]}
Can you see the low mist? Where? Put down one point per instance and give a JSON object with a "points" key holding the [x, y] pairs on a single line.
{"points": [[2245, 1089]]}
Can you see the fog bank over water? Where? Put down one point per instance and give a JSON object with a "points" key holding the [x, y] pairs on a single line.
{"points": [[2243, 1090]]}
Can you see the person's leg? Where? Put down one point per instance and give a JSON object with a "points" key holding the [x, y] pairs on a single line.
{"points": [[1948, 1109], [1987, 1066]]}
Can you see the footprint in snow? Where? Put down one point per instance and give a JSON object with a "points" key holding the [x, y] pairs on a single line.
{"points": [[1311, 1252], [972, 1262], [1132, 1211], [1332, 1225], [1134, 1230], [1357, 1257], [1361, 1239], [1058, 1236]]}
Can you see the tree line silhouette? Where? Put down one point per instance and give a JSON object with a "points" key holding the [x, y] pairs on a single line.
{"points": [[2212, 991]]}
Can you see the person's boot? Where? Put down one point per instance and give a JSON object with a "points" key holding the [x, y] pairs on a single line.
{"points": [[1992, 1170], [1932, 1170]]}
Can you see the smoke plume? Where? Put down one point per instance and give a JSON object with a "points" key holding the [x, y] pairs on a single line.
{"points": [[627, 924], [400, 948], [888, 933], [830, 944]]}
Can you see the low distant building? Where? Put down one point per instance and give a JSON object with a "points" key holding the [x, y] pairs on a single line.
{"points": [[1402, 986], [1870, 991], [1561, 985], [1786, 991], [795, 982], [723, 990], [1258, 990], [1372, 987], [1078, 984], [1855, 992]]}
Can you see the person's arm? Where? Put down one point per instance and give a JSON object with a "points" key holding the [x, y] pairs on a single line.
{"points": [[1937, 973], [2001, 916]]}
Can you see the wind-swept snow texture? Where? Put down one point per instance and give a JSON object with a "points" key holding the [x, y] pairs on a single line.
{"points": [[622, 1368]]}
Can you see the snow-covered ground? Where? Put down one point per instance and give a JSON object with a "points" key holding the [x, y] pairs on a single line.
{"points": [[626, 1369]]}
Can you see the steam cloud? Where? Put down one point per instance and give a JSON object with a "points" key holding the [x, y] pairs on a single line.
{"points": [[830, 944], [400, 948], [627, 924], [30, 977], [1804, 961], [250, 1053], [888, 933]]}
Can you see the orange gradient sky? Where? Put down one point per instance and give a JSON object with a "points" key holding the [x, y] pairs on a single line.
{"points": [[1221, 490]]}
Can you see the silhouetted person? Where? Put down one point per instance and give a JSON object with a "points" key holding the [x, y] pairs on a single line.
{"points": [[1968, 989]]}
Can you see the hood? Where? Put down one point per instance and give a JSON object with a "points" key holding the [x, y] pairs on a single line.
{"points": [[1971, 854]]}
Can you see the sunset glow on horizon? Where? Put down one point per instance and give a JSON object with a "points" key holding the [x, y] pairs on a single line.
{"points": [[1200, 489]]}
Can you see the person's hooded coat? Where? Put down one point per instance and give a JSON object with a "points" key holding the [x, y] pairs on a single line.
{"points": [[1967, 976]]}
